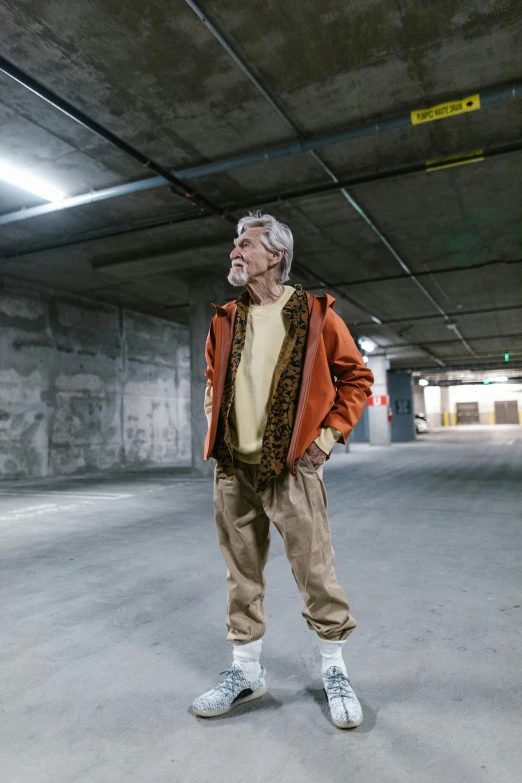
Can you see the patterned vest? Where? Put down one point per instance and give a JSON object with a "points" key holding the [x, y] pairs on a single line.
{"points": [[285, 391]]}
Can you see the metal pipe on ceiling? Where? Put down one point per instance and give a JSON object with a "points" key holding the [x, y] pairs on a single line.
{"points": [[458, 313], [353, 203], [261, 201], [330, 187], [484, 366], [300, 146], [448, 342], [106, 233], [166, 177], [437, 271], [373, 226]]}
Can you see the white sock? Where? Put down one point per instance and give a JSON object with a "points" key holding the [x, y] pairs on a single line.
{"points": [[247, 655], [331, 654]]}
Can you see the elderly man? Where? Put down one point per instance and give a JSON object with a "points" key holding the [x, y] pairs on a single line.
{"points": [[285, 383]]}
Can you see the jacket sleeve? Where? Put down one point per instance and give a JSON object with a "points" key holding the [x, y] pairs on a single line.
{"points": [[210, 352], [352, 378]]}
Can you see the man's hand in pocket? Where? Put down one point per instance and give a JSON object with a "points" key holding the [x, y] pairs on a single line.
{"points": [[317, 455]]}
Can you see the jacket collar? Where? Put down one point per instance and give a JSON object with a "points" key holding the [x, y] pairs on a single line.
{"points": [[229, 309]]}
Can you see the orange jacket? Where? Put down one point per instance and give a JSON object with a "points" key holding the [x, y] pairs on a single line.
{"points": [[334, 385]]}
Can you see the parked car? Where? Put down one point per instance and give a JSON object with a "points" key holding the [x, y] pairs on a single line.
{"points": [[421, 423]]}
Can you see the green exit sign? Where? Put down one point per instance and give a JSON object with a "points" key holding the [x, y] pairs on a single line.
{"points": [[506, 357]]}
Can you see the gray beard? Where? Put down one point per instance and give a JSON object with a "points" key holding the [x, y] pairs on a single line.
{"points": [[237, 277]]}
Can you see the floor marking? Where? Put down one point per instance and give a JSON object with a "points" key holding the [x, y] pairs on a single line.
{"points": [[64, 495]]}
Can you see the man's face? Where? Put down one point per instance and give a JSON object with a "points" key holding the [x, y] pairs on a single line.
{"points": [[250, 258]]}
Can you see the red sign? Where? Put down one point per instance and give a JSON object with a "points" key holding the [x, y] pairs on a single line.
{"points": [[378, 400]]}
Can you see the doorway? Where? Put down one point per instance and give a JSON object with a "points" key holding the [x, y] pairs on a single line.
{"points": [[506, 412], [467, 413]]}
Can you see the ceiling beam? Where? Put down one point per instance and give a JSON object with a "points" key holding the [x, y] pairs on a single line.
{"points": [[456, 314], [263, 201], [259, 201], [458, 367], [370, 222], [447, 342], [437, 271], [167, 177], [301, 145]]}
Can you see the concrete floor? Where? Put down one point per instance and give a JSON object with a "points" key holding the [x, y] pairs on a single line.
{"points": [[114, 599]]}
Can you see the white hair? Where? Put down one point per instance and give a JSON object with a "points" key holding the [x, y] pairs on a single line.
{"points": [[276, 236]]}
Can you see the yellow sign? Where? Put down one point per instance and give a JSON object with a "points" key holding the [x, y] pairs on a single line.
{"points": [[454, 160], [444, 110]]}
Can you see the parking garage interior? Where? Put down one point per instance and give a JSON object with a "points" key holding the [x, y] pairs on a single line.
{"points": [[133, 138]]}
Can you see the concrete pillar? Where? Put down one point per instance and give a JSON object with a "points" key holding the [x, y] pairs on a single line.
{"points": [[419, 402], [202, 292], [361, 431], [400, 389], [445, 414], [433, 405], [378, 424]]}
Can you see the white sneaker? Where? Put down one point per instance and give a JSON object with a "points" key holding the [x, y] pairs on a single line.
{"points": [[345, 708], [233, 690]]}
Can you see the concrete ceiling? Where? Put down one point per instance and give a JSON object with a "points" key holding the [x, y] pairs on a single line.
{"points": [[156, 77]]}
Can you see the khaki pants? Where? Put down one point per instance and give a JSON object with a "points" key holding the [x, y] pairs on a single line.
{"points": [[297, 507]]}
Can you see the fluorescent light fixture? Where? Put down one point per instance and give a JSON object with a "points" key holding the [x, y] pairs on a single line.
{"points": [[22, 179], [367, 344], [499, 379], [423, 382]]}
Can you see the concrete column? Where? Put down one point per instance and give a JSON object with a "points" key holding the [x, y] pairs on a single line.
{"points": [[202, 292], [400, 388], [446, 418], [379, 426], [419, 402], [361, 432]]}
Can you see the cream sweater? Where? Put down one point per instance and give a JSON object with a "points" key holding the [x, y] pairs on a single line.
{"points": [[265, 332]]}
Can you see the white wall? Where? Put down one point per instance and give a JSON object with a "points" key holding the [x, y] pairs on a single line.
{"points": [[432, 404], [485, 395]]}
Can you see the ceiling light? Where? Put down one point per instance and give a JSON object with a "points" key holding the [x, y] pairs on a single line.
{"points": [[423, 382], [367, 344], [26, 181], [365, 359], [499, 379]]}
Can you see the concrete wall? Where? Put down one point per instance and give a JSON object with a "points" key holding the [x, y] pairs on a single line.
{"points": [[361, 431], [443, 400], [86, 386], [485, 396], [400, 389]]}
